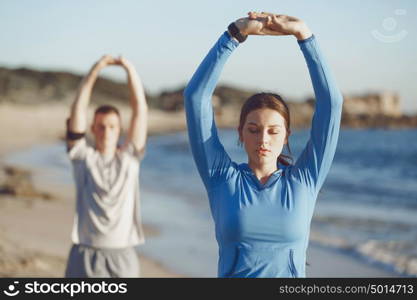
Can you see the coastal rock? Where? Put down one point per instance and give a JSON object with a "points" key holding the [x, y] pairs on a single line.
{"points": [[18, 182], [171, 100], [373, 105]]}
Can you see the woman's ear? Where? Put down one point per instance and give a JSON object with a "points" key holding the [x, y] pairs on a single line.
{"points": [[286, 138], [239, 130]]}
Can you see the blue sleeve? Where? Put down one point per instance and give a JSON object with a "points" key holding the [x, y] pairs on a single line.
{"points": [[211, 159], [314, 162]]}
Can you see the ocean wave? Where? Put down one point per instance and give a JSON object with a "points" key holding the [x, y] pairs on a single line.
{"points": [[398, 256]]}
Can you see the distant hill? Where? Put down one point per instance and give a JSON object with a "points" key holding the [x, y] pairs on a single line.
{"points": [[27, 86]]}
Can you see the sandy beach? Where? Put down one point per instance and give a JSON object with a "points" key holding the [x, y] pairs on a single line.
{"points": [[35, 224], [36, 218]]}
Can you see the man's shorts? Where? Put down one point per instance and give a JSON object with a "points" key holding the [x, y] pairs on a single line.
{"points": [[85, 261]]}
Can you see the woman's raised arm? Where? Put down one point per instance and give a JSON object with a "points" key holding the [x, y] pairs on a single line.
{"points": [[211, 159], [314, 163]]}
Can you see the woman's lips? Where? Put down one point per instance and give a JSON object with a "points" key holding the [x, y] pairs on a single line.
{"points": [[263, 151]]}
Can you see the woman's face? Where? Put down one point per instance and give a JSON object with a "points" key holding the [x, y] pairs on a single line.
{"points": [[263, 136]]}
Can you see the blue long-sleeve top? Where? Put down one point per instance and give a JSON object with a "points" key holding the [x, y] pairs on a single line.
{"points": [[262, 229]]}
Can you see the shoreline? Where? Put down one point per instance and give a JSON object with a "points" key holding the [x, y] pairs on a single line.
{"points": [[29, 245]]}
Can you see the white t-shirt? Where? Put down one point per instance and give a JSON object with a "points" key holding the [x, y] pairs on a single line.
{"points": [[108, 209]]}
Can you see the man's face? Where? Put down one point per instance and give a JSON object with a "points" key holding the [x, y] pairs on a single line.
{"points": [[106, 131]]}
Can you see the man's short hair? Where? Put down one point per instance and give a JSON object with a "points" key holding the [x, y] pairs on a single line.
{"points": [[106, 109]]}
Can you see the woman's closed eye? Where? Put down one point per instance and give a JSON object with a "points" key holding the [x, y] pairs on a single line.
{"points": [[255, 130]]}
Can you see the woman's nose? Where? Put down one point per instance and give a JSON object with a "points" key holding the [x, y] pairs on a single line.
{"points": [[264, 138]]}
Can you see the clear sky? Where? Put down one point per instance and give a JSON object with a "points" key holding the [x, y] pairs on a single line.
{"points": [[371, 45]]}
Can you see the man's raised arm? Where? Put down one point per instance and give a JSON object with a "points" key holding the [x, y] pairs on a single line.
{"points": [[77, 123], [139, 122]]}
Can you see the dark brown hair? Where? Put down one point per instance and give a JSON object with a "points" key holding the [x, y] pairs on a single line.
{"points": [[271, 101], [107, 109]]}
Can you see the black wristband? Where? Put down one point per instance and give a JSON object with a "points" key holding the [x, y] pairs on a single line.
{"points": [[72, 136], [234, 31]]}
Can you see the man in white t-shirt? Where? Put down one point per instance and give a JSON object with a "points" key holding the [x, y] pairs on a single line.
{"points": [[107, 224]]}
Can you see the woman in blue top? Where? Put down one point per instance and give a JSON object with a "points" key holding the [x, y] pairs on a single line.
{"points": [[262, 210]]}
